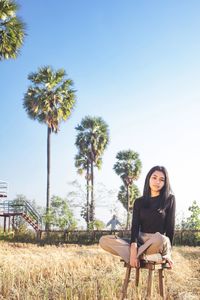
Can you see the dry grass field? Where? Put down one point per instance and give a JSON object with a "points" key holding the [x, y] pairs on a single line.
{"points": [[86, 272]]}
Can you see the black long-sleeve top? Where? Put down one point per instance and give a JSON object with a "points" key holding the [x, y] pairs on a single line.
{"points": [[152, 218]]}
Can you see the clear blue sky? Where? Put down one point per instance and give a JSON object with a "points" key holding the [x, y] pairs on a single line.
{"points": [[134, 63]]}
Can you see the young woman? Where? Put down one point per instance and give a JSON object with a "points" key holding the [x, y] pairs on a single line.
{"points": [[153, 223]]}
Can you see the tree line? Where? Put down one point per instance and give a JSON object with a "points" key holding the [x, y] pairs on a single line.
{"points": [[61, 217]]}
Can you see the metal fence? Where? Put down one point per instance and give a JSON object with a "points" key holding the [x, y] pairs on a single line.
{"points": [[182, 237], [88, 237]]}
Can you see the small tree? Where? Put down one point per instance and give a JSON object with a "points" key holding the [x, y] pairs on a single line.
{"points": [[19, 223], [193, 222], [60, 215], [77, 196], [98, 225]]}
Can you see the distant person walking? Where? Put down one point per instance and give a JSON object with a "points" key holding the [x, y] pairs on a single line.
{"points": [[153, 221], [113, 222]]}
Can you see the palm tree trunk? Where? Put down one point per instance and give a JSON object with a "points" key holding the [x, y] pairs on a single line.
{"points": [[87, 203], [128, 205], [48, 174], [92, 194]]}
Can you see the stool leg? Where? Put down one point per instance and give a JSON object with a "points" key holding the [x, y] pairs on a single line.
{"points": [[126, 281], [161, 283], [149, 284], [137, 276]]}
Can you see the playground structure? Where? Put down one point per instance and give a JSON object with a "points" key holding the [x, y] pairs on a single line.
{"points": [[3, 189], [9, 209]]}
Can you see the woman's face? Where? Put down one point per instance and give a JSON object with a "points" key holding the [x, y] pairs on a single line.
{"points": [[156, 182]]}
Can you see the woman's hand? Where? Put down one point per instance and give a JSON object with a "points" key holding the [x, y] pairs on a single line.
{"points": [[169, 261], [134, 261]]}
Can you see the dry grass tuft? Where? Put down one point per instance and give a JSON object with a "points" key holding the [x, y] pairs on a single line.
{"points": [[85, 272]]}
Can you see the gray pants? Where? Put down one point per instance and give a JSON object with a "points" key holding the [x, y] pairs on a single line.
{"points": [[152, 243]]}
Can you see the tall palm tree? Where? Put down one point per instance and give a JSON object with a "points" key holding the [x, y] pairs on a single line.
{"points": [[91, 141], [12, 30], [128, 167], [82, 164], [50, 100]]}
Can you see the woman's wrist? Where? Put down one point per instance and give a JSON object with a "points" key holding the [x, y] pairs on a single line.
{"points": [[133, 250]]}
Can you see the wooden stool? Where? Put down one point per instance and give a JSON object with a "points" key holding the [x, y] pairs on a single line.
{"points": [[151, 266]]}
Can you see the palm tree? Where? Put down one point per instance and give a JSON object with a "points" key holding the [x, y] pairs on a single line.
{"points": [[128, 167], [12, 30], [134, 193], [91, 141], [50, 100]]}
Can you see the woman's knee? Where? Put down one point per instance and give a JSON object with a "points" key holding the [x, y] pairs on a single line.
{"points": [[107, 243], [166, 239], [104, 239], [101, 241], [158, 239]]}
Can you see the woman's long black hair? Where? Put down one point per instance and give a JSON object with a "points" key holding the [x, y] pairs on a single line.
{"points": [[165, 191]]}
